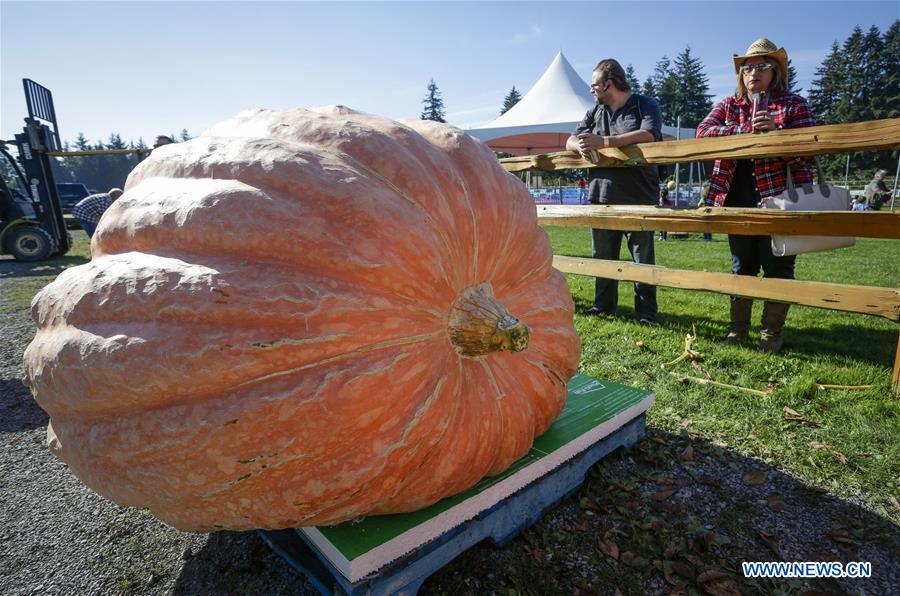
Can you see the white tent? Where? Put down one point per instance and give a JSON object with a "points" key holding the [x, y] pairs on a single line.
{"points": [[543, 119]]}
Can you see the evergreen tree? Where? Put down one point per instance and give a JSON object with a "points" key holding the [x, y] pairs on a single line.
{"points": [[889, 88], [827, 87], [850, 107], [511, 99], [632, 79], [859, 80], [184, 135], [115, 142], [792, 79], [825, 93], [692, 100], [648, 89], [666, 86], [873, 74], [81, 143], [434, 105]]}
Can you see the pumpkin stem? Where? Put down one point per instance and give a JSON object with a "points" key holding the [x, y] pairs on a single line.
{"points": [[479, 325]]}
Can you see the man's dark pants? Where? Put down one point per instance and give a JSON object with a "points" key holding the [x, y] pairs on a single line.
{"points": [[605, 244]]}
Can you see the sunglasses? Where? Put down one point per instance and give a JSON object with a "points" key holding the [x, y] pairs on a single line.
{"points": [[748, 68]]}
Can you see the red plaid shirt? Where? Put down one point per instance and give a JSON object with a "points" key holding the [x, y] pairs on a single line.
{"points": [[732, 117]]}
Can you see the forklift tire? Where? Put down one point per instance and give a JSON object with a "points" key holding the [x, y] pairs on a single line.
{"points": [[59, 251], [29, 243]]}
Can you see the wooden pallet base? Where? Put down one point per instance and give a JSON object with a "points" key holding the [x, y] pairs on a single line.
{"points": [[500, 523]]}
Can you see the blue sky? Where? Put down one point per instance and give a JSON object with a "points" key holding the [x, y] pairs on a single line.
{"points": [[144, 68]]}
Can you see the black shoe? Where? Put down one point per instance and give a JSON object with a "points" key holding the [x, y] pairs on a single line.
{"points": [[594, 311]]}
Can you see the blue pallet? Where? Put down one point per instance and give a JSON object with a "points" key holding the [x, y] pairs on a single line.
{"points": [[501, 523]]}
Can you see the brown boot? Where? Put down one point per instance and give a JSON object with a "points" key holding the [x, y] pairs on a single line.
{"points": [[774, 314], [741, 310]]}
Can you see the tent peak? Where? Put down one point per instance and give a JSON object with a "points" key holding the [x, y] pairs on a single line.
{"points": [[559, 95]]}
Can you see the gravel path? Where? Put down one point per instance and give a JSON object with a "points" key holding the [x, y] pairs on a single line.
{"points": [[58, 537]]}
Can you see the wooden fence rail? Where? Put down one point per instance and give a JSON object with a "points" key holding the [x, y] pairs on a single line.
{"points": [[876, 135], [864, 136], [870, 300], [745, 222]]}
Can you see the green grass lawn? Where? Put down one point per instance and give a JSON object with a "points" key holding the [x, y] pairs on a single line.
{"points": [[850, 442], [31, 277]]}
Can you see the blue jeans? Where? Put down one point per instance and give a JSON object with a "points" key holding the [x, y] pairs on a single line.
{"points": [[749, 254], [88, 226], [605, 244]]}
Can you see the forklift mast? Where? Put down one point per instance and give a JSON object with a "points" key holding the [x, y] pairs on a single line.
{"points": [[33, 144]]}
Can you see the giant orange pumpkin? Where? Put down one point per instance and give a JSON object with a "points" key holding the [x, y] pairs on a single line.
{"points": [[303, 317]]}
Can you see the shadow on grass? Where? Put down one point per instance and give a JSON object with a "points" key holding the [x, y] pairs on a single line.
{"points": [[18, 410], [11, 268], [851, 342], [647, 521]]}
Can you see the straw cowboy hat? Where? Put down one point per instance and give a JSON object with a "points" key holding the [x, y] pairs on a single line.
{"points": [[763, 48]]}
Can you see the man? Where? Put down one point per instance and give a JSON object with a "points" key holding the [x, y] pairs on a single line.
{"points": [[162, 140], [877, 191], [620, 117], [88, 210]]}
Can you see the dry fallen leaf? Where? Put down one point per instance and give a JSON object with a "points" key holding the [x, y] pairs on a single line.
{"points": [[817, 445], [687, 454], [795, 416], [841, 457], [776, 503], [581, 525], [654, 526], [894, 501], [792, 412], [708, 480], [609, 548], [841, 536], [538, 555], [771, 541], [664, 494], [722, 587], [684, 570], [755, 478], [711, 575]]}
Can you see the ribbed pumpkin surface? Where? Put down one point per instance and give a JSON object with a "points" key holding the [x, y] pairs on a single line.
{"points": [[264, 337]]}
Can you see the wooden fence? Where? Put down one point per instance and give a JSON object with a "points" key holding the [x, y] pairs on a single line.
{"points": [[839, 138]]}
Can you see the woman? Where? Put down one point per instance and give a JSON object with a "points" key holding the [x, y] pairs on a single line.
{"points": [[747, 182]]}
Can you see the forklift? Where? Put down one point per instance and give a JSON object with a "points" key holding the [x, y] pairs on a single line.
{"points": [[32, 227]]}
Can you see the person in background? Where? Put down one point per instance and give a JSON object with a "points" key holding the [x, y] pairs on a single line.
{"points": [[704, 192], [859, 205], [162, 140], [582, 191], [748, 182], [664, 202], [87, 211], [877, 192], [620, 118]]}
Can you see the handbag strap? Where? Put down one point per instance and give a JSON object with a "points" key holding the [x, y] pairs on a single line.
{"points": [[823, 184]]}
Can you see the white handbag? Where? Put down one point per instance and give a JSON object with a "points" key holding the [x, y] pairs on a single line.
{"points": [[809, 197]]}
